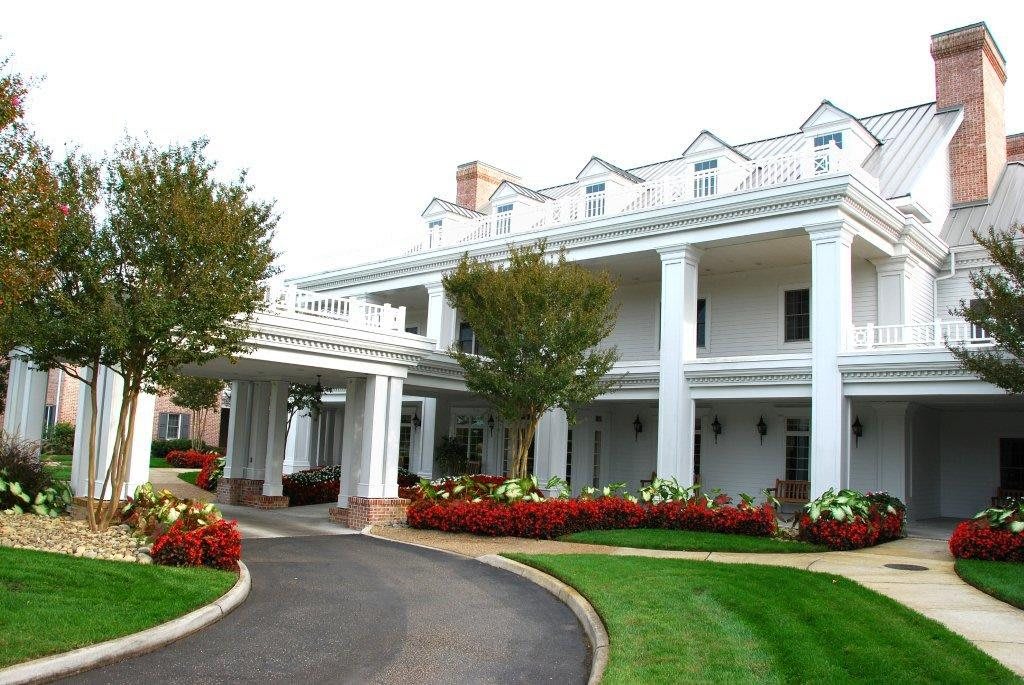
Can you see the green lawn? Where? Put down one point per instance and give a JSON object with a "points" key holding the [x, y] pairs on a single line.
{"points": [[1002, 579], [673, 620], [53, 603], [189, 476], [159, 463], [61, 471], [654, 538]]}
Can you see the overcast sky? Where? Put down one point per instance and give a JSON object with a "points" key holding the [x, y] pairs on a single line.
{"points": [[354, 115]]}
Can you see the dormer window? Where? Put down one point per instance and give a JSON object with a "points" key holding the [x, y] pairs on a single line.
{"points": [[595, 200], [822, 148], [434, 232], [503, 220], [705, 178]]}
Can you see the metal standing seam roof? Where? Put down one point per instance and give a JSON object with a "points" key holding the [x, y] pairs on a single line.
{"points": [[1005, 210], [910, 136], [523, 190], [455, 209]]}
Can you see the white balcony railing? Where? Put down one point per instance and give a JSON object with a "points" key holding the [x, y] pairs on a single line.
{"points": [[351, 311], [917, 335], [664, 192]]}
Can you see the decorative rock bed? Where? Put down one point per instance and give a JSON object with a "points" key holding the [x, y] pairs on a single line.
{"points": [[66, 536]]}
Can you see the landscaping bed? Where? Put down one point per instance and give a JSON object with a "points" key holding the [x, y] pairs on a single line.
{"points": [[53, 603], [995, 534], [1004, 580], [674, 620], [696, 541], [63, 535]]}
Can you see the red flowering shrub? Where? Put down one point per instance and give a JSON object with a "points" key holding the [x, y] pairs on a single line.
{"points": [[312, 486], [483, 483], [218, 545], [719, 517], [978, 540], [850, 520], [848, 534], [211, 472], [545, 519], [188, 459]]}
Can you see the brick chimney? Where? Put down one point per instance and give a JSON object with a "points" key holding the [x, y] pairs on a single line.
{"points": [[1015, 148], [970, 71], [476, 181]]}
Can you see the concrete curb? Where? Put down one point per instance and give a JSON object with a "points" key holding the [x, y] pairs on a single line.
{"points": [[568, 595], [368, 532], [50, 668]]}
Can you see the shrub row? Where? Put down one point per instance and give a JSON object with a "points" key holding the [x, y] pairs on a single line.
{"points": [[159, 449], [850, 520], [553, 518], [313, 486]]}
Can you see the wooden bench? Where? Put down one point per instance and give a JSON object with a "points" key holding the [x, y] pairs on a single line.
{"points": [[1006, 495], [792, 491]]}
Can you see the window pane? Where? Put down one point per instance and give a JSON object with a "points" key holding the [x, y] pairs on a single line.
{"points": [[1011, 463], [797, 314], [467, 339], [568, 458], [702, 312], [596, 480]]}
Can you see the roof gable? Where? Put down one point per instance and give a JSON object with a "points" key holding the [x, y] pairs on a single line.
{"points": [[706, 141], [828, 114], [596, 166], [437, 206], [508, 188]]}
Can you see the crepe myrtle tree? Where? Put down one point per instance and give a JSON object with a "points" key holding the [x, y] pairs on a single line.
{"points": [[30, 211], [538, 321], [67, 320], [200, 396], [998, 309]]}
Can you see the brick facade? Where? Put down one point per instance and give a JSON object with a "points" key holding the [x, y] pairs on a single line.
{"points": [[239, 490], [971, 72], [365, 511], [211, 431], [1015, 148], [475, 182]]}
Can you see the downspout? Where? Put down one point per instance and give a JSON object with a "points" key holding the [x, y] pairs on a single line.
{"points": [[935, 283]]}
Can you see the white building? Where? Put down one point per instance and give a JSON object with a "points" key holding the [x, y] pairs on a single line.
{"points": [[774, 295], [803, 281]]}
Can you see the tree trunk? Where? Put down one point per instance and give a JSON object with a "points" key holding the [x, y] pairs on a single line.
{"points": [[90, 473], [126, 436], [523, 433]]}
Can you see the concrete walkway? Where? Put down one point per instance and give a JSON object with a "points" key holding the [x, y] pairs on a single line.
{"points": [[353, 609], [933, 589], [167, 479]]}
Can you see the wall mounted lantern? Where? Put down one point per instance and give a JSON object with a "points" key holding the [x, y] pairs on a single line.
{"points": [[638, 428], [762, 429], [490, 423], [716, 428], [858, 430], [319, 388], [416, 422]]}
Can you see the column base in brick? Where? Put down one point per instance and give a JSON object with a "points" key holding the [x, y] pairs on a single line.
{"points": [[238, 490], [366, 511], [269, 502]]}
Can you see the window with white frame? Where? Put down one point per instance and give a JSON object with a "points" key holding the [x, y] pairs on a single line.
{"points": [[1011, 463], [467, 339], [796, 315], [598, 450], [434, 232], [172, 426], [405, 441], [705, 178], [469, 433], [568, 458], [798, 448], [503, 219], [595, 200], [49, 416], [702, 322], [823, 162], [978, 334]]}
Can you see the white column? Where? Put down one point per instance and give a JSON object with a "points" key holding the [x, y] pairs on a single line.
{"points": [[277, 419], [237, 458], [338, 435], [895, 289], [441, 322], [313, 446], [258, 430], [550, 452], [297, 450], [351, 449], [382, 416], [831, 318], [428, 426], [109, 388], [678, 345], [25, 408]]}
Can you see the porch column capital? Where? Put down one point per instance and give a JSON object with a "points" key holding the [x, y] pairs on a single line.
{"points": [[690, 254], [839, 232]]}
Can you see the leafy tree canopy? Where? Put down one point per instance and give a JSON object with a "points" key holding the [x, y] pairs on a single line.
{"points": [[539, 322], [998, 309]]}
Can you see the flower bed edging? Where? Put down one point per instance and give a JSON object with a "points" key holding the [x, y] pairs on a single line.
{"points": [[56, 666]]}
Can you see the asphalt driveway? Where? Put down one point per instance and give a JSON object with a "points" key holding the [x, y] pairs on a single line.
{"points": [[354, 609]]}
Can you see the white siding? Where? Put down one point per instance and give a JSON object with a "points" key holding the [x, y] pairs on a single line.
{"points": [[865, 292], [631, 457], [950, 292], [923, 297], [924, 496], [417, 317], [636, 332], [970, 457]]}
